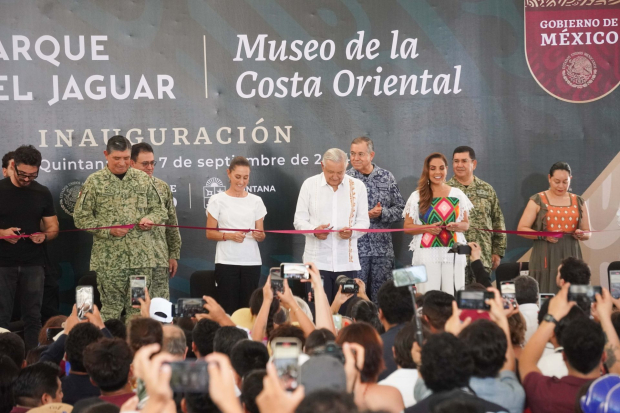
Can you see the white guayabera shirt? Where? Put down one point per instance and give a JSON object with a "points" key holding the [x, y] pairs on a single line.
{"points": [[347, 207]]}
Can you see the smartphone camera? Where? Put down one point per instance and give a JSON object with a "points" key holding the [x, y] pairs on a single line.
{"points": [[473, 300], [189, 377], [294, 271], [137, 284], [84, 300], [286, 351], [509, 295], [542, 297], [189, 307], [404, 277], [614, 284], [277, 285], [584, 294], [461, 249]]}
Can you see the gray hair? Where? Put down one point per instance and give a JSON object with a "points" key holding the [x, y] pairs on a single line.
{"points": [[335, 155], [174, 342], [367, 141], [526, 290]]}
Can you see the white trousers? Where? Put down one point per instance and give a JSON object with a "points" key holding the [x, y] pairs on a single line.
{"points": [[445, 276]]}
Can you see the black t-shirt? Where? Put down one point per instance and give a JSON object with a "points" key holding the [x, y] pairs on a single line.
{"points": [[23, 208], [76, 387], [480, 405]]}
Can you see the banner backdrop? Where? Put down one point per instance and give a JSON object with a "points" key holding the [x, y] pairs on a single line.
{"points": [[280, 82]]}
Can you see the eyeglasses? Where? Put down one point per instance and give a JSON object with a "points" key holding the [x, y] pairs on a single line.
{"points": [[145, 164], [25, 175], [359, 155]]}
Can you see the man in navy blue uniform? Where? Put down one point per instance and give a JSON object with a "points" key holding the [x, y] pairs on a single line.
{"points": [[386, 204]]}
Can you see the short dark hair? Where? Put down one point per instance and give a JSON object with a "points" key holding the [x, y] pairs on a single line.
{"points": [[463, 149], [203, 335], [140, 147], [318, 338], [117, 143], [108, 362], [34, 355], [226, 337], [13, 346], [238, 161], [487, 344], [248, 355], [526, 290], [366, 140], [583, 341], [446, 363], [560, 166], [364, 310], [95, 405], [437, 308], [365, 335], [252, 386], [7, 158], [35, 381], [395, 303], [27, 155], [517, 327], [288, 330], [117, 328], [78, 339], [575, 271], [403, 343], [327, 401], [475, 287], [200, 403], [575, 313], [144, 331], [9, 372]]}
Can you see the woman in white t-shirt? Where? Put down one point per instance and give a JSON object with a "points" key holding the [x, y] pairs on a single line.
{"points": [[436, 214], [237, 257]]}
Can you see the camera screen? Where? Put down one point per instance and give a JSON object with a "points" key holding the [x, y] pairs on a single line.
{"points": [[137, 284], [508, 288], [84, 301], [285, 358], [472, 300], [295, 271], [614, 283], [189, 307], [189, 377], [409, 275]]}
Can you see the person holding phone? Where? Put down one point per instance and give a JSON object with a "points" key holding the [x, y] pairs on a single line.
{"points": [[333, 200], [26, 208], [436, 214], [237, 257], [555, 210]]}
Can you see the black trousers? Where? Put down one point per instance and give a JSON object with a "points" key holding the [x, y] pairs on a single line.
{"points": [[29, 282], [235, 285]]}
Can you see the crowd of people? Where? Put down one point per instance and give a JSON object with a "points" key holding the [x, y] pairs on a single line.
{"points": [[364, 351], [561, 356]]}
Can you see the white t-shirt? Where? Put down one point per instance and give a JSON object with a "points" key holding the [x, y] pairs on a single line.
{"points": [[237, 213], [404, 380]]}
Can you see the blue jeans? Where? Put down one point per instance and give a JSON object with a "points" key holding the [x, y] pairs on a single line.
{"points": [[29, 282]]}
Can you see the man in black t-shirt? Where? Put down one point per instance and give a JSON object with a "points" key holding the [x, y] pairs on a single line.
{"points": [[26, 206]]}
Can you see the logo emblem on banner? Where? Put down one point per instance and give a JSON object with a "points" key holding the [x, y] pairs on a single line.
{"points": [[572, 49], [69, 196], [213, 186]]}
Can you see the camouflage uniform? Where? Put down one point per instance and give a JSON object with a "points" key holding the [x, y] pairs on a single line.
{"points": [[376, 252], [486, 214], [106, 200], [167, 243]]}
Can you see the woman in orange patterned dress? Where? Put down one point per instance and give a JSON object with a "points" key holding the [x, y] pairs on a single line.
{"points": [[555, 210]]}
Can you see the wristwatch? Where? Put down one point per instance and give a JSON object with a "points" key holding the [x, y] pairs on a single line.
{"points": [[550, 319]]}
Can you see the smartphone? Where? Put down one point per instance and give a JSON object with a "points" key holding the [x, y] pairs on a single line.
{"points": [[137, 284], [277, 285], [189, 307], [584, 293], [542, 297], [189, 376], [275, 272], [286, 351], [473, 300], [84, 300], [292, 271], [404, 277], [52, 332], [337, 321], [614, 283], [507, 288]]}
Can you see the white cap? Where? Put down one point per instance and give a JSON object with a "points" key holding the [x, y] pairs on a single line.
{"points": [[161, 310]]}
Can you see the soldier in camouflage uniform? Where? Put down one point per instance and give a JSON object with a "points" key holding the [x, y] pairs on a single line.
{"points": [[167, 239], [119, 195], [376, 252], [486, 214]]}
